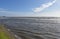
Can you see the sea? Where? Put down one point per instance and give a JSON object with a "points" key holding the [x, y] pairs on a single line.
{"points": [[33, 27]]}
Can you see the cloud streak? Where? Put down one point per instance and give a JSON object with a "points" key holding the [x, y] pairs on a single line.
{"points": [[43, 6], [2, 9]]}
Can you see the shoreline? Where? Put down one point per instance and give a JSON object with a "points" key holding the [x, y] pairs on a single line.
{"points": [[17, 37], [5, 34]]}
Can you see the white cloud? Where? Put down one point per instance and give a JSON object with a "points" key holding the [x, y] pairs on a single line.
{"points": [[51, 14], [43, 6], [48, 14]]}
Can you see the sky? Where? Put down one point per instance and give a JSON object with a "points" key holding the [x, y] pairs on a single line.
{"points": [[30, 8]]}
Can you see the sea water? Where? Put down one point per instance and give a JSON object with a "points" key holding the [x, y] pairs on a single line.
{"points": [[34, 27]]}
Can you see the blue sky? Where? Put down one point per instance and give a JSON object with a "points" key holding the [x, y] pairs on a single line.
{"points": [[30, 8]]}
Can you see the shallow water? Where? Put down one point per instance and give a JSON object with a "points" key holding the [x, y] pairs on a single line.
{"points": [[34, 28]]}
